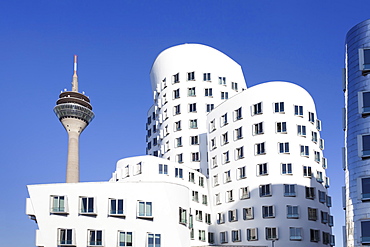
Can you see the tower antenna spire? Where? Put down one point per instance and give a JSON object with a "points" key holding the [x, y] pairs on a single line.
{"points": [[75, 77]]}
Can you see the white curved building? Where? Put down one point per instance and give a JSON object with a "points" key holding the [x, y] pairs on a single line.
{"points": [[235, 167]]}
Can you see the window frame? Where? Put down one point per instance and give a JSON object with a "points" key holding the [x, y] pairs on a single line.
{"points": [[88, 210], [148, 215], [119, 207], [60, 208], [125, 241]]}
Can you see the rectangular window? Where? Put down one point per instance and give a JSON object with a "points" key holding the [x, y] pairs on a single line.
{"points": [[286, 168], [206, 76], [317, 156], [195, 157], [244, 193], [226, 158], [365, 189], [176, 109], [214, 161], [191, 76], [211, 238], [238, 133], [195, 196], [292, 212], [314, 235], [311, 117], [202, 235], [193, 123], [310, 193], [304, 151], [191, 91], [116, 207], [175, 78], [198, 215], [298, 110], [95, 238], [179, 160], [307, 171], [262, 169], [222, 80], [258, 128], [227, 176], [321, 144], [301, 130], [224, 119], [279, 107], [66, 237], [312, 214], [236, 235], [260, 148], [191, 177], [284, 147], [58, 204], [289, 190], [87, 205], [215, 180], [125, 239], [234, 86], [208, 219], [154, 240], [265, 190], [194, 140], [257, 108], [212, 125], [223, 237], [224, 138], [240, 153], [176, 93], [220, 218], [241, 172], [328, 201], [193, 107], [224, 95], [322, 196], [364, 145], [252, 234], [295, 233], [364, 102], [318, 125], [144, 209], [210, 107], [271, 233], [233, 215], [325, 237], [314, 136], [204, 200], [162, 169], [324, 217], [248, 213], [268, 212], [213, 143], [229, 196], [201, 181], [208, 92], [178, 142], [281, 127], [178, 172], [238, 113], [365, 232]]}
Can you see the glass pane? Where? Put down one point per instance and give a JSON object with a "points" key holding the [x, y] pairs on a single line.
{"points": [[367, 56], [141, 209], [366, 188], [91, 205], [148, 209], [365, 230], [366, 143]]}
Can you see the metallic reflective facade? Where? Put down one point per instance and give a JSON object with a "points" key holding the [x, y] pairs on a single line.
{"points": [[356, 124]]}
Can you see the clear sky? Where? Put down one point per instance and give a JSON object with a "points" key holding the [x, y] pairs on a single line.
{"points": [[117, 42]]}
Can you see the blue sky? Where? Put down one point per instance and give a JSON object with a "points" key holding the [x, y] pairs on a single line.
{"points": [[117, 42]]}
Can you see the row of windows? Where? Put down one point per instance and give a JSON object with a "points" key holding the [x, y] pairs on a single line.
{"points": [[269, 211], [190, 76], [258, 129], [191, 92], [271, 233], [193, 140], [67, 237], [87, 206], [257, 110], [265, 190]]}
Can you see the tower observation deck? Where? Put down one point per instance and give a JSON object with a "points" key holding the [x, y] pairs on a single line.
{"points": [[74, 111]]}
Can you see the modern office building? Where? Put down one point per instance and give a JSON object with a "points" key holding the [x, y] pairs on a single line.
{"points": [[226, 166], [356, 88]]}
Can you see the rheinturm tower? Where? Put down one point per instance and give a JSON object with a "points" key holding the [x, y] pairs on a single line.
{"points": [[75, 112]]}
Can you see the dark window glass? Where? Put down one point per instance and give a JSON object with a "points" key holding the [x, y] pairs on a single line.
{"points": [[365, 231], [366, 144], [367, 56], [366, 188]]}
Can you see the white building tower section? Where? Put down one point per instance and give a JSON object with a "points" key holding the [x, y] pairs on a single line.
{"points": [[188, 81], [75, 112]]}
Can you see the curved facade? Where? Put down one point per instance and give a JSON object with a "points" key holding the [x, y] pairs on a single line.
{"points": [[357, 134], [188, 81], [267, 169]]}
